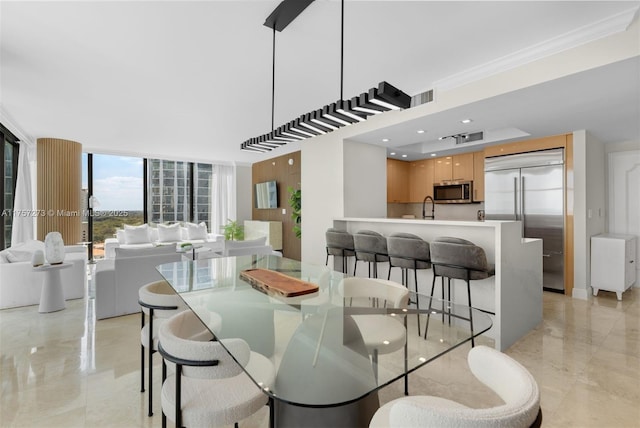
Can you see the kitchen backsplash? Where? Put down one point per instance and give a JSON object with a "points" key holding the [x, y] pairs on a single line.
{"points": [[442, 211]]}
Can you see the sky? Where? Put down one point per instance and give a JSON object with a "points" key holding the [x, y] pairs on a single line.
{"points": [[117, 182]]}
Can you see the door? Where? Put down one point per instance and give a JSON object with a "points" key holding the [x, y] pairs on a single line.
{"points": [[501, 194], [624, 188], [543, 218]]}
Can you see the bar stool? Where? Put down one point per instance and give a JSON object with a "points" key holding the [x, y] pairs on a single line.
{"points": [[408, 251], [160, 302], [370, 247], [339, 244], [456, 258]]}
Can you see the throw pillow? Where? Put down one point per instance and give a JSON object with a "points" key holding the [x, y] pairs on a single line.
{"points": [[23, 252], [136, 234], [120, 236], [197, 231], [169, 233]]}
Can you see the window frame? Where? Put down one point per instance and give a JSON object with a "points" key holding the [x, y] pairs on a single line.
{"points": [[7, 137]]}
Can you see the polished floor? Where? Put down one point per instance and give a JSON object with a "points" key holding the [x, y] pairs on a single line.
{"points": [[66, 369]]}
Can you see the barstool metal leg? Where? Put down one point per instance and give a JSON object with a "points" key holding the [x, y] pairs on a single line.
{"points": [[433, 286], [415, 282], [473, 342]]}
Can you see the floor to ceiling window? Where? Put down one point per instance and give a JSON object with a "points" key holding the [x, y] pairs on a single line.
{"points": [[169, 191], [8, 172], [202, 179], [119, 190], [117, 198]]}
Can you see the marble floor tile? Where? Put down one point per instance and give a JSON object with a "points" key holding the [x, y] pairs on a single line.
{"points": [[67, 369]]}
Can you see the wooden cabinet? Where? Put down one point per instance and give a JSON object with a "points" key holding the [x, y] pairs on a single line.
{"points": [[478, 176], [397, 181], [442, 169], [420, 179], [456, 167], [412, 181], [462, 167]]}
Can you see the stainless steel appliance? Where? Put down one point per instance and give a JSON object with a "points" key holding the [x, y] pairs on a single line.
{"points": [[455, 192], [530, 187]]}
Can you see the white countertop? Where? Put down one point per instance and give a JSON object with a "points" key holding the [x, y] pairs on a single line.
{"points": [[486, 223]]}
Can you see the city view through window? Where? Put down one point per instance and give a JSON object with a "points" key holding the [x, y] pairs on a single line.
{"points": [[177, 192]]}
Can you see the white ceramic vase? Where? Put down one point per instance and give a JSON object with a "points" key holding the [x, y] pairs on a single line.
{"points": [[54, 248], [38, 258]]}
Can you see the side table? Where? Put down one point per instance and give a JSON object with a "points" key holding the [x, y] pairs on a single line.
{"points": [[194, 250], [51, 296]]}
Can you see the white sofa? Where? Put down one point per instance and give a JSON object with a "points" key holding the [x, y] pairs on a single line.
{"points": [[249, 247], [145, 236], [20, 285], [118, 280]]}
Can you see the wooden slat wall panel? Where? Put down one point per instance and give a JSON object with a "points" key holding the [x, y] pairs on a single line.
{"points": [[59, 180], [286, 175]]}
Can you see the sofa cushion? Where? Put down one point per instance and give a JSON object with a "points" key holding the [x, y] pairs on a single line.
{"points": [[197, 231], [22, 252], [122, 253], [120, 236], [136, 234], [169, 233]]}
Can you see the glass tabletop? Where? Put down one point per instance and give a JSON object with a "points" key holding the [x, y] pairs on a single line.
{"points": [[327, 349]]}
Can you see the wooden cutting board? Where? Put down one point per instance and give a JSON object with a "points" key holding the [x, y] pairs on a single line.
{"points": [[272, 282]]}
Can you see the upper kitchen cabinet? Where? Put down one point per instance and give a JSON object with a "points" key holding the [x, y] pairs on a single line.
{"points": [[478, 176], [421, 179], [397, 181], [462, 167], [442, 169], [456, 167]]}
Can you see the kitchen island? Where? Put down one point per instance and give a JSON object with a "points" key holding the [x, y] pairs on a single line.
{"points": [[513, 295]]}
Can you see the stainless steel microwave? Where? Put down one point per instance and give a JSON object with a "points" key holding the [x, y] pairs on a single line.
{"points": [[455, 192]]}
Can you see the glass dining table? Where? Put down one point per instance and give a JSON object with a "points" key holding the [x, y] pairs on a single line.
{"points": [[325, 375]]}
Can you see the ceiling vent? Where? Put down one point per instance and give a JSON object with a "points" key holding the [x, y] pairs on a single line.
{"points": [[467, 138], [422, 98]]}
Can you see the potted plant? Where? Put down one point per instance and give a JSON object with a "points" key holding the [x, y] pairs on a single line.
{"points": [[233, 231], [295, 202]]}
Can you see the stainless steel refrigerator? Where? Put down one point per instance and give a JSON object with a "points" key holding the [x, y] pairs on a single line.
{"points": [[530, 187]]}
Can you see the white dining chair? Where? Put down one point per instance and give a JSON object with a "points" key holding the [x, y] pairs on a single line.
{"points": [[505, 376], [381, 333], [209, 387], [158, 301]]}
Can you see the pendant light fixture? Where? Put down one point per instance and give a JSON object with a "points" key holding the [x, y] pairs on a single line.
{"points": [[331, 117]]}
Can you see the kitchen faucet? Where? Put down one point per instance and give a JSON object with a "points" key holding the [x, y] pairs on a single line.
{"points": [[433, 206]]}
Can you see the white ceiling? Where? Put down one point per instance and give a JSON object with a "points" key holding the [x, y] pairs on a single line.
{"points": [[192, 80]]}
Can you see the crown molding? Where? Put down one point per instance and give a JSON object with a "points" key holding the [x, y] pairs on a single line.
{"points": [[12, 126], [597, 30]]}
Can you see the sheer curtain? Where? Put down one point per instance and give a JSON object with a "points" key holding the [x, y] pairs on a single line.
{"points": [[223, 196], [24, 225]]}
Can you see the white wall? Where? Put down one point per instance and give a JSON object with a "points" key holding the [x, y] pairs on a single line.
{"points": [[588, 206], [243, 193], [365, 180], [595, 197], [322, 192]]}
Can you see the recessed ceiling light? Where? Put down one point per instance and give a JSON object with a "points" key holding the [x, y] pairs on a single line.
{"points": [[420, 131], [404, 156], [385, 140], [433, 155], [466, 121], [392, 153]]}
